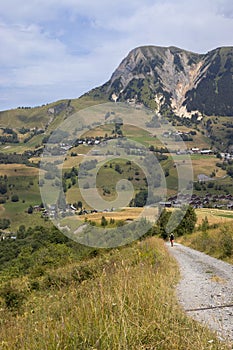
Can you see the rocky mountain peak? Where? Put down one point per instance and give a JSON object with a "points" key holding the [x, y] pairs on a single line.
{"points": [[173, 80]]}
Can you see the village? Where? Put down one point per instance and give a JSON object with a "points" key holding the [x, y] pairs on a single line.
{"points": [[217, 201]]}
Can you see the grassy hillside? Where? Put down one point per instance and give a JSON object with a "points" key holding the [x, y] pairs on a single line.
{"points": [[213, 239], [121, 299], [23, 178], [22, 181], [41, 116]]}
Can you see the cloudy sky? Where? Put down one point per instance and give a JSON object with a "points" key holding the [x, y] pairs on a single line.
{"points": [[54, 49]]}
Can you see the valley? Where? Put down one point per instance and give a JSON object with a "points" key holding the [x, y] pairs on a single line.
{"points": [[82, 183], [23, 180]]}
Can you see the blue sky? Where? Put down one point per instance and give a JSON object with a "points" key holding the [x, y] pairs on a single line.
{"points": [[54, 49]]}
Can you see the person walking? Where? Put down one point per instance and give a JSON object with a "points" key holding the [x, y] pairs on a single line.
{"points": [[171, 237]]}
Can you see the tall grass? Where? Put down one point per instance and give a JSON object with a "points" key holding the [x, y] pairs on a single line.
{"points": [[217, 242], [126, 302]]}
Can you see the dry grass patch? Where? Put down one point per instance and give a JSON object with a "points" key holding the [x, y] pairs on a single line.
{"points": [[125, 214], [129, 304], [218, 279], [206, 165], [214, 216], [217, 242], [18, 170]]}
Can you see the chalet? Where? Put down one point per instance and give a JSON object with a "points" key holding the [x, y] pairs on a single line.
{"points": [[206, 151], [165, 204], [203, 178], [226, 156], [37, 208], [72, 207], [167, 134]]}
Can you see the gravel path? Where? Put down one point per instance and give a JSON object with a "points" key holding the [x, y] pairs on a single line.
{"points": [[206, 286]]}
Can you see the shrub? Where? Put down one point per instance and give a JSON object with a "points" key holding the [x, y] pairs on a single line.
{"points": [[13, 298], [226, 242], [34, 285], [30, 210], [104, 222], [14, 198], [4, 223], [83, 273]]}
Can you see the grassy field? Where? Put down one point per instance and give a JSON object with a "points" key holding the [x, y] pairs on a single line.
{"points": [[19, 170], [206, 165], [215, 216], [107, 177], [146, 138], [27, 189], [202, 164], [217, 242], [38, 116], [124, 214], [141, 136], [101, 131], [125, 300], [20, 177]]}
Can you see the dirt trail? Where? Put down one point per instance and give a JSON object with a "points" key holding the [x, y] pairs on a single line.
{"points": [[206, 289]]}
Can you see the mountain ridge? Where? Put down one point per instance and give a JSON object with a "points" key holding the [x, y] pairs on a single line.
{"points": [[173, 82], [176, 81]]}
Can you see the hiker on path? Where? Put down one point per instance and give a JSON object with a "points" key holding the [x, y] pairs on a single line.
{"points": [[171, 238]]}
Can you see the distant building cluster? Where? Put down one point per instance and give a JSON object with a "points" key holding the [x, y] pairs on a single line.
{"points": [[218, 201]]}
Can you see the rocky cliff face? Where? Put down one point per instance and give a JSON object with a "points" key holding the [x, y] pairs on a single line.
{"points": [[172, 80]]}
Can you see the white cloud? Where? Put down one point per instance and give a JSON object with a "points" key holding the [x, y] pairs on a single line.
{"points": [[22, 44], [197, 26]]}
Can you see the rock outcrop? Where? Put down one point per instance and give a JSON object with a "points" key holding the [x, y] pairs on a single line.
{"points": [[172, 80]]}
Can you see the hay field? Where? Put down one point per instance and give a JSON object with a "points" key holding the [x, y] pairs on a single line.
{"points": [[214, 216], [206, 165], [18, 170], [201, 164], [125, 214]]}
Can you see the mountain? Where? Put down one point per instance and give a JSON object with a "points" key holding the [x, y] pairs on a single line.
{"points": [[174, 81], [171, 81]]}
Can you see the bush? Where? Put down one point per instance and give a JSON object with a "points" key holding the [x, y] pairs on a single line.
{"points": [[34, 285], [30, 210], [53, 281], [15, 198], [4, 223], [83, 273], [226, 242], [178, 223], [104, 222], [12, 297]]}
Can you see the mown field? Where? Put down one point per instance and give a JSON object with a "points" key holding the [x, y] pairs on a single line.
{"points": [[215, 216], [126, 214], [145, 138]]}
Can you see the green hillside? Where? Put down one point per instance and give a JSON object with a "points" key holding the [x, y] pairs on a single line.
{"points": [[73, 299]]}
